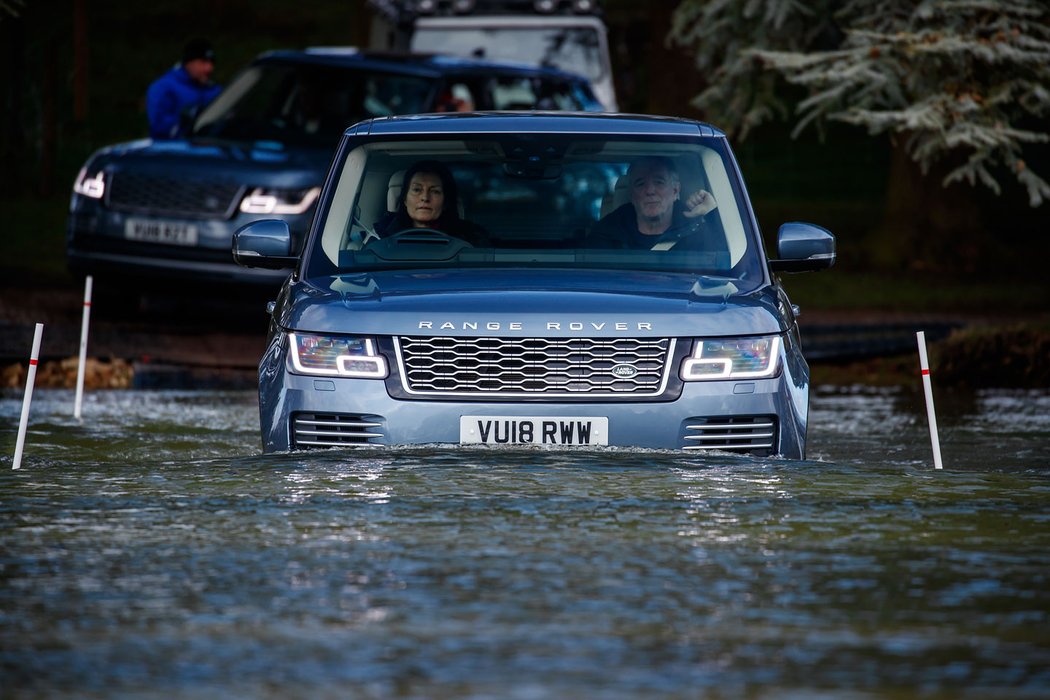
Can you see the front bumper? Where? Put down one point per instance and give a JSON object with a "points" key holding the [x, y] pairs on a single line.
{"points": [[96, 244], [364, 413]]}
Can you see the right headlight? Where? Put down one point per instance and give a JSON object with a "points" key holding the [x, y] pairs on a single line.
{"points": [[732, 358], [335, 356], [269, 200], [90, 183]]}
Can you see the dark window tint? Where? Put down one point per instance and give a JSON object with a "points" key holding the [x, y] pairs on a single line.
{"points": [[307, 105]]}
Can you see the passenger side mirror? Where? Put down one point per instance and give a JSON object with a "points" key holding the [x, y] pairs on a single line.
{"points": [[802, 247], [266, 243]]}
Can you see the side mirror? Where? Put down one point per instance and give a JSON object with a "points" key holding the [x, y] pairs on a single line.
{"points": [[266, 243], [802, 247]]}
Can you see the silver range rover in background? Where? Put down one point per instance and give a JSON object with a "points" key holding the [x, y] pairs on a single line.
{"points": [[525, 315]]}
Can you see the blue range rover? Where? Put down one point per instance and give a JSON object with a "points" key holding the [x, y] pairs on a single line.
{"points": [[159, 210], [534, 279]]}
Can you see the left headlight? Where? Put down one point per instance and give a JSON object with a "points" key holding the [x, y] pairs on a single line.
{"points": [[335, 356], [733, 358], [90, 183], [271, 200]]}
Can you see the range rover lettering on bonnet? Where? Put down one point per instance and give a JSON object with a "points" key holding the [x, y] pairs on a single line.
{"points": [[549, 326]]}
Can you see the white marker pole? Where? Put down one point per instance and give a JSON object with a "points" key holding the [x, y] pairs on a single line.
{"points": [[30, 378], [81, 367], [931, 414]]}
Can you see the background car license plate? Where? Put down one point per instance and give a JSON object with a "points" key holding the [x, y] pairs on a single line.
{"points": [[160, 231], [534, 430]]}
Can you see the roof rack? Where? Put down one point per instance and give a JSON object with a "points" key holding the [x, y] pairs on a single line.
{"points": [[407, 10]]}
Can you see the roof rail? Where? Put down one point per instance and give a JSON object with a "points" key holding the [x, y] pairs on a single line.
{"points": [[334, 50]]}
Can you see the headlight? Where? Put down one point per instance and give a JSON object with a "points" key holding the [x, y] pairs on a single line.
{"points": [[333, 356], [733, 358], [90, 183], [269, 200]]}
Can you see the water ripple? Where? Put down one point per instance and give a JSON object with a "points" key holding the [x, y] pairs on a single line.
{"points": [[153, 551]]}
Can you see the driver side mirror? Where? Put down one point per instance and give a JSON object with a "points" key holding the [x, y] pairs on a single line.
{"points": [[266, 244], [803, 247]]}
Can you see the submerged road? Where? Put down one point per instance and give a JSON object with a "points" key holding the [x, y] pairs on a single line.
{"points": [[152, 551]]}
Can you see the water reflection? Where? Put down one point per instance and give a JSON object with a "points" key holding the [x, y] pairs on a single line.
{"points": [[154, 550]]}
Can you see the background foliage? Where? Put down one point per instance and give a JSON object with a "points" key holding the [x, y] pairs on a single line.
{"points": [[73, 74], [969, 77], [959, 87]]}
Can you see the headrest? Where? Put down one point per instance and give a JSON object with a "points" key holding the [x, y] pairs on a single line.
{"points": [[393, 190], [617, 198]]}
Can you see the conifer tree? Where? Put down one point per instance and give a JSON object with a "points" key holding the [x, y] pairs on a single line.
{"points": [[959, 83]]}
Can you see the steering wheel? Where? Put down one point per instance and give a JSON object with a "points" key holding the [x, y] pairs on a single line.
{"points": [[417, 244], [424, 235]]}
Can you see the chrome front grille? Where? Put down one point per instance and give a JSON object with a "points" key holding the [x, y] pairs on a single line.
{"points": [[731, 433], [534, 367], [334, 429], [173, 196]]}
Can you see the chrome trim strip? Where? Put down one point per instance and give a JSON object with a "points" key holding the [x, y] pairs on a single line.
{"points": [[357, 424], [727, 426], [336, 433], [730, 436], [766, 445]]}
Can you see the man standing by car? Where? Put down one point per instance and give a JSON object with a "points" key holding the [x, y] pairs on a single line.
{"points": [[183, 90]]}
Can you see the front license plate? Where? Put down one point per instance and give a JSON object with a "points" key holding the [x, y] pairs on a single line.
{"points": [[533, 430], [160, 231]]}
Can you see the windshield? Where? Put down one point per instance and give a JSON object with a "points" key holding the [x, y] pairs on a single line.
{"points": [[537, 200], [306, 104], [574, 49]]}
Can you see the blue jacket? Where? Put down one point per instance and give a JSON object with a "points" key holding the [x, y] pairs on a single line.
{"points": [[171, 95]]}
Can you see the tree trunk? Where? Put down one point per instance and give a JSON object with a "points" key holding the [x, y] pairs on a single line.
{"points": [[927, 226], [13, 144], [80, 61], [48, 120]]}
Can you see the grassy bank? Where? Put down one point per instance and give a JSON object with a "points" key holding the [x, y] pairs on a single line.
{"points": [[842, 289], [33, 249], [1010, 356]]}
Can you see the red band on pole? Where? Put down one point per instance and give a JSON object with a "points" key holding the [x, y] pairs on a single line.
{"points": [[926, 371], [32, 362], [87, 303]]}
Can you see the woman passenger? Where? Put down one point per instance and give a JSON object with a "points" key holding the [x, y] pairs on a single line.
{"points": [[430, 199]]}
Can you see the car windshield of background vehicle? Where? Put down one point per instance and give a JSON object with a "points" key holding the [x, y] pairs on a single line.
{"points": [[573, 49], [306, 105], [537, 199], [528, 93]]}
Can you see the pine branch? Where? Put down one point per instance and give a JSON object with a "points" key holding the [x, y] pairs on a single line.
{"points": [[952, 76]]}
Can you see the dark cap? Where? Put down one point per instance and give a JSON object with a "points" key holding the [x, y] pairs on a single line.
{"points": [[198, 48]]}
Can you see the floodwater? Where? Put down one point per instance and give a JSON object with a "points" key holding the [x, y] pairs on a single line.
{"points": [[153, 552]]}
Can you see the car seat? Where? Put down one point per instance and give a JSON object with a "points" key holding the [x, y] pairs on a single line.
{"points": [[617, 198]]}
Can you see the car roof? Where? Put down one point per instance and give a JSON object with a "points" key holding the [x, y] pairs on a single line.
{"points": [[417, 64], [535, 122]]}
